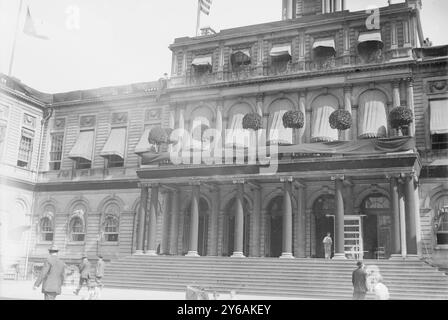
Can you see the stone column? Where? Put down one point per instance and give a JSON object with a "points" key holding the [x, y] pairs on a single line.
{"points": [[302, 108], [256, 222], [410, 99], [339, 236], [300, 251], [395, 197], [142, 219], [396, 94], [401, 200], [164, 248], [213, 243], [347, 134], [194, 222], [152, 227], [239, 221], [174, 225], [287, 219], [308, 124], [411, 215], [393, 35]]}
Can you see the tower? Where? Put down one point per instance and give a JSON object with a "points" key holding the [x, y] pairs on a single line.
{"points": [[292, 9]]}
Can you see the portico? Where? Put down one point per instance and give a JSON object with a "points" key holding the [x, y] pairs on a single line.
{"points": [[232, 210]]}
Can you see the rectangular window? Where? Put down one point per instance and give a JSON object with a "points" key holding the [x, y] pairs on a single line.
{"points": [[57, 140], [114, 161], [82, 163], [25, 149], [439, 141]]}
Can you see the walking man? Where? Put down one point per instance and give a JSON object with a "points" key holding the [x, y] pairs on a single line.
{"points": [[359, 281], [327, 245], [52, 275], [84, 274]]}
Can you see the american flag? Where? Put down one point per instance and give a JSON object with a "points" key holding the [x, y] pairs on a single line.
{"points": [[205, 6]]}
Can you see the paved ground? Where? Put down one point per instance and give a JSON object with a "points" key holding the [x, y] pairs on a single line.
{"points": [[12, 289]]}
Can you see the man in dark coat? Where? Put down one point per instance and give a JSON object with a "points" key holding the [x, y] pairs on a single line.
{"points": [[359, 281], [99, 273], [84, 274], [52, 275]]}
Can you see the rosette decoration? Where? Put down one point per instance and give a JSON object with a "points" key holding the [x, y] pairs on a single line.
{"points": [[400, 117], [252, 121], [340, 119], [293, 119]]}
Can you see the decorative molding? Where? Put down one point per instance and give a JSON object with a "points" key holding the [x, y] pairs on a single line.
{"points": [[119, 118], [438, 86], [87, 121], [59, 123], [29, 121], [152, 115]]}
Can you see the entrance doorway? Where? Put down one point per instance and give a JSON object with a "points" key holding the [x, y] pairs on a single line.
{"points": [[353, 238], [229, 228], [324, 215], [377, 227], [274, 228], [202, 228]]}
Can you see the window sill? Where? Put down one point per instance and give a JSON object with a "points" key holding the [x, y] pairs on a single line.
{"points": [[109, 243], [76, 243], [441, 247], [42, 242]]}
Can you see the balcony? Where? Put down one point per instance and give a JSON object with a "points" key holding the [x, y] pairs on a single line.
{"points": [[93, 174]]}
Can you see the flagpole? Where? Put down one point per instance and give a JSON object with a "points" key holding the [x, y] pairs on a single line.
{"points": [[198, 21], [11, 60]]}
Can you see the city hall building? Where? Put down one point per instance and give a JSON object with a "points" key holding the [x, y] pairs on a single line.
{"points": [[77, 168]]}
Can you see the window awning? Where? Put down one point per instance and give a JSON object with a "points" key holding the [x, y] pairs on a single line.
{"points": [[370, 36], [83, 146], [326, 43], [143, 144], [439, 117], [280, 50], [115, 144], [246, 52], [202, 61]]}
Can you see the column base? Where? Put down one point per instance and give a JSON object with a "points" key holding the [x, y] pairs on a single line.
{"points": [[412, 257], [138, 252], [286, 255], [237, 254], [339, 256], [192, 254], [151, 253]]}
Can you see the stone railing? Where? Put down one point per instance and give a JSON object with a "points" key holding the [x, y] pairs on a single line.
{"points": [[87, 174]]}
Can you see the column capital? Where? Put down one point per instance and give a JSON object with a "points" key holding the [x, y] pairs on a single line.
{"points": [[348, 88], [253, 185], [168, 188], [260, 97], [239, 181], [396, 83], [337, 177], [194, 183], [410, 81], [299, 184], [302, 93], [148, 184], [286, 179]]}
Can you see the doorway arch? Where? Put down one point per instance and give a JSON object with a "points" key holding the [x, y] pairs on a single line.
{"points": [[204, 213], [229, 228]]}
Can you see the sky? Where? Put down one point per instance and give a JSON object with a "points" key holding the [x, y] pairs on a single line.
{"points": [[97, 43]]}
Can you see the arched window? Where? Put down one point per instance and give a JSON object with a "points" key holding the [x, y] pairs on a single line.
{"points": [[278, 134], [372, 114], [111, 229], [111, 223], [323, 107], [46, 229], [235, 135], [201, 120], [77, 230]]}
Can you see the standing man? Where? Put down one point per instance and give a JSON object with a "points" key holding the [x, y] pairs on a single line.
{"points": [[84, 274], [52, 275], [359, 281], [327, 245], [99, 274]]}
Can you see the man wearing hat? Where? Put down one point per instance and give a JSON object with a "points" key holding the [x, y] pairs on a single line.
{"points": [[84, 274], [52, 275], [359, 280]]}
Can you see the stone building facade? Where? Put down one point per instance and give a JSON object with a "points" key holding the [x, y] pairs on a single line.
{"points": [[93, 183]]}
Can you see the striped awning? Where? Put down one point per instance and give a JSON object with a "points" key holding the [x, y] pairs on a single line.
{"points": [[439, 117], [370, 36], [326, 43], [83, 146], [202, 61], [143, 144], [115, 144], [280, 50]]}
